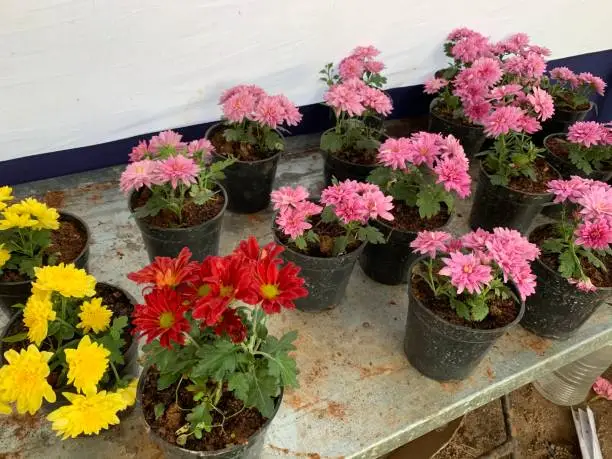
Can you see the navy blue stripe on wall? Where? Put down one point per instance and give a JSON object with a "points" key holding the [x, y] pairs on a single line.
{"points": [[407, 102]]}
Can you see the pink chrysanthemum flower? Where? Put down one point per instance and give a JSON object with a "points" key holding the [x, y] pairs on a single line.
{"points": [[594, 234], [140, 151], [597, 202], [351, 208], [569, 190], [287, 196], [477, 111], [342, 98], [269, 112], [139, 174], [587, 133], [603, 388], [366, 52], [431, 242], [166, 139], [374, 66], [201, 148], [424, 148], [351, 67], [378, 205], [178, 169], [503, 120], [377, 100], [488, 70], [433, 85], [394, 153], [524, 280], [293, 222], [500, 92], [461, 33], [454, 177], [476, 240], [466, 272], [528, 124], [471, 48], [542, 103], [239, 105], [584, 285], [595, 82], [291, 114], [563, 74], [252, 89]]}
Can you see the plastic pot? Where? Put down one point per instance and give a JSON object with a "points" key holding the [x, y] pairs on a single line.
{"points": [[344, 170], [248, 183], [498, 205], [389, 263], [251, 450], [561, 121], [444, 351], [129, 368], [202, 240], [565, 166], [472, 137], [18, 292], [325, 278], [558, 309]]}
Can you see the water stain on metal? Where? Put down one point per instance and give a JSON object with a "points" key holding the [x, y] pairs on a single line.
{"points": [[288, 452], [21, 425], [54, 199], [336, 410], [536, 344]]}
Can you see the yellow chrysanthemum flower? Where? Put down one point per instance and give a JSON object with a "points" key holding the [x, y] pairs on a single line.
{"points": [[67, 280], [24, 379], [47, 217], [94, 316], [86, 365], [13, 219], [87, 414], [5, 255], [37, 313], [129, 393], [5, 196]]}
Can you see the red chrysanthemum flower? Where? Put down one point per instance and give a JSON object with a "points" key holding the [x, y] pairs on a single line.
{"points": [[167, 272], [276, 286], [221, 280], [250, 250], [231, 324], [162, 316]]}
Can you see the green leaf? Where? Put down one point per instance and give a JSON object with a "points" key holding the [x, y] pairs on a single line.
{"points": [[553, 245], [201, 196], [480, 310], [593, 259], [567, 264], [331, 141], [239, 384], [576, 157], [200, 418], [166, 380], [300, 243], [285, 344], [340, 244], [371, 235], [498, 179], [367, 144], [159, 410], [460, 308], [283, 367], [233, 134], [117, 327], [15, 338], [263, 388], [328, 215], [380, 176], [217, 360], [273, 141], [428, 203]]}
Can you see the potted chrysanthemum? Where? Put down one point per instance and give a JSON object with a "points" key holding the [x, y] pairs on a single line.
{"points": [[574, 271], [512, 186], [359, 106], [325, 236], [174, 194], [423, 174], [463, 295], [32, 235], [214, 377], [572, 94], [251, 134], [70, 346], [586, 150]]}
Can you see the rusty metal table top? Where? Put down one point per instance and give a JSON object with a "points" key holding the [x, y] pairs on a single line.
{"points": [[359, 397]]}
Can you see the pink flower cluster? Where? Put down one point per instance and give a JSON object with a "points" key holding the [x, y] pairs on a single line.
{"points": [[351, 201], [354, 97], [250, 102], [522, 61], [466, 45], [603, 388], [444, 156], [590, 133], [360, 61], [476, 258], [594, 214], [165, 159], [565, 76]]}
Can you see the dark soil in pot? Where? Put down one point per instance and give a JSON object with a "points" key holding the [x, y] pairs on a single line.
{"points": [[513, 206], [390, 263], [558, 309], [442, 345], [470, 135], [250, 179], [557, 154], [240, 424]]}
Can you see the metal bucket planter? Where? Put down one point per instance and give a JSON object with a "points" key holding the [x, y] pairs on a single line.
{"points": [[18, 292], [472, 137], [202, 239], [558, 309], [248, 183], [326, 278], [444, 351], [250, 450], [129, 368], [390, 263], [498, 205]]}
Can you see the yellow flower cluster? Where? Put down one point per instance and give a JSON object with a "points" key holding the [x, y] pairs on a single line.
{"points": [[67, 280], [5, 196], [37, 313], [29, 213], [94, 316], [5, 255], [86, 365], [23, 380]]}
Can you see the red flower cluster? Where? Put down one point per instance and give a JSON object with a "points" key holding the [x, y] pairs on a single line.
{"points": [[180, 291]]}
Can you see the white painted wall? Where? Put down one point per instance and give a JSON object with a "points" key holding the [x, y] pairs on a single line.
{"points": [[80, 72]]}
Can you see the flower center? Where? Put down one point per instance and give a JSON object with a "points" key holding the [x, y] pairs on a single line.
{"points": [[269, 291], [166, 319], [468, 269], [226, 290], [204, 290]]}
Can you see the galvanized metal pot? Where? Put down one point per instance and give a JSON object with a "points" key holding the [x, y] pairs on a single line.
{"points": [[326, 279], [444, 351], [18, 292], [202, 240], [251, 450], [497, 205], [472, 137], [248, 183], [558, 309]]}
